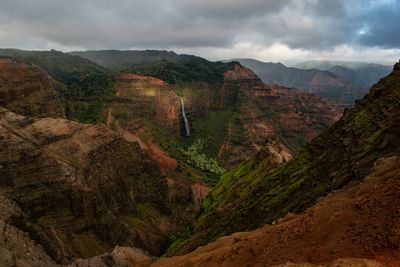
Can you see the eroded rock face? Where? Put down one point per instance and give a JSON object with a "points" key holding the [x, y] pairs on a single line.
{"points": [[253, 194], [17, 247], [151, 98], [82, 189], [273, 117], [26, 89]]}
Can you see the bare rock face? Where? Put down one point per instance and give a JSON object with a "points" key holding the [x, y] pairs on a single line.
{"points": [[82, 189], [273, 117], [150, 98], [16, 247], [26, 89]]}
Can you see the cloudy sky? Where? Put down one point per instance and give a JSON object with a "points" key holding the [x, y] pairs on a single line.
{"points": [[268, 30]]}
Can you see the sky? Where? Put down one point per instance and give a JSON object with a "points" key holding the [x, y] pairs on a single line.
{"points": [[267, 30]]}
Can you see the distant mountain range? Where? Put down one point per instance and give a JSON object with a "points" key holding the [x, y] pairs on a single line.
{"points": [[327, 80], [360, 73]]}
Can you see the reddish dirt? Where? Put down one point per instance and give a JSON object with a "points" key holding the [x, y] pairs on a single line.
{"points": [[200, 192], [163, 160], [360, 221]]}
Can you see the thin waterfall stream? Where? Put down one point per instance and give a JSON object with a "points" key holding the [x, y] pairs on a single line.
{"points": [[185, 119]]}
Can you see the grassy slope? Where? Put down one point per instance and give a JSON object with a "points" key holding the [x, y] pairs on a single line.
{"points": [[345, 152]]}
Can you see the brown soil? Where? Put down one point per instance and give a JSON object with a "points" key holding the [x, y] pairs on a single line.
{"points": [[163, 160], [360, 221]]}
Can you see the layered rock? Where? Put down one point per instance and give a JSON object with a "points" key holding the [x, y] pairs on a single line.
{"points": [[273, 117], [325, 84], [258, 191], [26, 89], [82, 189], [150, 98]]}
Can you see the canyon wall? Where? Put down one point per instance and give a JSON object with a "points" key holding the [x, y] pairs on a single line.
{"points": [[28, 90]]}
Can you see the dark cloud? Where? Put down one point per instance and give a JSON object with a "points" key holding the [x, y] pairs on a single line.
{"points": [[94, 24], [381, 27]]}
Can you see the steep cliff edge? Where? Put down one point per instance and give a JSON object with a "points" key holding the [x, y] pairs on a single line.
{"points": [[325, 84], [81, 189], [230, 121], [28, 90], [360, 223], [151, 98], [257, 192], [279, 119]]}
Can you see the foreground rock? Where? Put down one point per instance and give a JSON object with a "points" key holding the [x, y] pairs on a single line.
{"points": [[361, 221], [78, 190]]}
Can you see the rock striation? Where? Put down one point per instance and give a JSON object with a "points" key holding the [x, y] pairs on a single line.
{"points": [[27, 89], [79, 190], [259, 192], [151, 98], [272, 117]]}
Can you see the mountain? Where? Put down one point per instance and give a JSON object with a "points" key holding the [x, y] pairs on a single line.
{"points": [[325, 84], [78, 79], [361, 74], [24, 88], [230, 119], [259, 191], [121, 60], [71, 190]]}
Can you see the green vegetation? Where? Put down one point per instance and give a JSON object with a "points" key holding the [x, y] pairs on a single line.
{"points": [[79, 79], [259, 192], [200, 160], [86, 245], [188, 69], [176, 241], [213, 129], [167, 66]]}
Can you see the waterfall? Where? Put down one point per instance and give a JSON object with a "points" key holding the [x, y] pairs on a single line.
{"points": [[185, 119]]}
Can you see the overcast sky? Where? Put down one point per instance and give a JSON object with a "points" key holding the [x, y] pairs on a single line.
{"points": [[268, 30]]}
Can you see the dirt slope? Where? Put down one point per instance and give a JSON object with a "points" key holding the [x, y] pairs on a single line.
{"points": [[361, 221]]}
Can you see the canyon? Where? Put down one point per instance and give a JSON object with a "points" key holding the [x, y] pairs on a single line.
{"points": [[127, 164]]}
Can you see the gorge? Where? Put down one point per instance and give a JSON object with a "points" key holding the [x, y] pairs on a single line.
{"points": [[109, 172]]}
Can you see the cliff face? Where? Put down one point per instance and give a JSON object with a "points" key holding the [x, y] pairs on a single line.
{"points": [[325, 84], [236, 118], [28, 90], [151, 98], [272, 117], [259, 192], [81, 189]]}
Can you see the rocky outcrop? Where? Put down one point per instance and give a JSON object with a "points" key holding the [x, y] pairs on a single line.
{"points": [[150, 98], [272, 117], [361, 221], [17, 248], [82, 189], [26, 89]]}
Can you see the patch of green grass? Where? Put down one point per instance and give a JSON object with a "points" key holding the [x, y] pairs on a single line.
{"points": [[86, 245], [134, 222]]}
